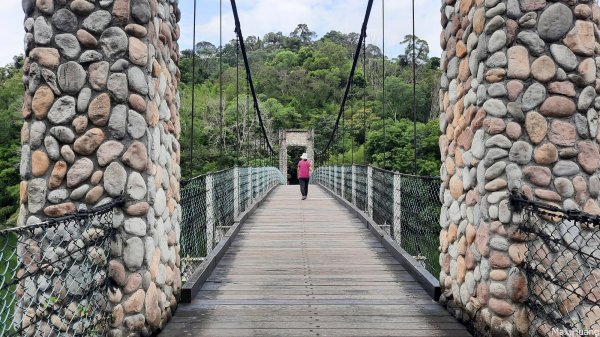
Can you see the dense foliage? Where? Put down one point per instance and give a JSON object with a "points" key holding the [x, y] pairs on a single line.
{"points": [[11, 102], [300, 82]]}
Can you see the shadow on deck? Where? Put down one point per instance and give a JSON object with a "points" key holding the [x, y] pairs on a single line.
{"points": [[309, 268]]}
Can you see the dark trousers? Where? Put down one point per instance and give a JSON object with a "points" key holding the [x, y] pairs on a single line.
{"points": [[304, 186]]}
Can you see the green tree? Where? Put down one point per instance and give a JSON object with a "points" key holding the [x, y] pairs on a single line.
{"points": [[300, 81], [420, 47], [11, 102]]}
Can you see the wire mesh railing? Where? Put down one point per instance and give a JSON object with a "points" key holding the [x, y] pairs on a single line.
{"points": [[383, 200], [211, 202], [419, 218], [562, 267], [347, 183], [360, 192], [406, 207], [338, 178], [54, 275]]}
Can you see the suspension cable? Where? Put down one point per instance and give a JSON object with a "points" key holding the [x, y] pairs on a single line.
{"points": [[247, 119], [414, 71], [383, 84], [221, 119], [337, 147], [363, 34], [237, 101], [193, 93], [365, 104], [343, 135], [352, 130], [238, 31]]}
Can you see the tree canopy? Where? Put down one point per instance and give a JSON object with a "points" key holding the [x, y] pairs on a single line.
{"points": [[300, 81]]}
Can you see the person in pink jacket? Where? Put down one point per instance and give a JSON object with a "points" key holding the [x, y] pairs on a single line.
{"points": [[304, 169]]}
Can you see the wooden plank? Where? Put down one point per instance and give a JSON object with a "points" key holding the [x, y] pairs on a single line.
{"points": [[397, 297], [313, 331], [354, 325], [201, 319], [196, 308], [309, 268], [329, 289]]}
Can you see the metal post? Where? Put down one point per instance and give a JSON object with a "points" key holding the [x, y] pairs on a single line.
{"points": [[250, 184], [335, 168], [370, 190], [261, 178], [396, 230], [330, 178], [236, 191], [353, 184], [210, 214], [342, 183]]}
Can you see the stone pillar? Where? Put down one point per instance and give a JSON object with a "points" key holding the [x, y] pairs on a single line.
{"points": [[101, 121], [310, 145], [519, 111], [283, 154]]}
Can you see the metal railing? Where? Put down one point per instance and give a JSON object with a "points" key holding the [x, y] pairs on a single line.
{"points": [[562, 268], [211, 202], [406, 207], [54, 275]]}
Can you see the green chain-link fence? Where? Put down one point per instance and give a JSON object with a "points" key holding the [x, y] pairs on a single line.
{"points": [[210, 204], [54, 275], [407, 207]]}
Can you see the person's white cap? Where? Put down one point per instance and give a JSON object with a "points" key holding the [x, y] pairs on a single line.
{"points": [[304, 156]]}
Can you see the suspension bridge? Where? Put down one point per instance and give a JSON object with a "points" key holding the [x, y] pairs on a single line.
{"points": [[112, 240], [312, 267]]}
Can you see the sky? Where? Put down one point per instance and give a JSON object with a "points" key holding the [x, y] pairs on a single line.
{"points": [[259, 17]]}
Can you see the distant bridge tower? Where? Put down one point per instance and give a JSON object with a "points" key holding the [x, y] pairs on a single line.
{"points": [[295, 137]]}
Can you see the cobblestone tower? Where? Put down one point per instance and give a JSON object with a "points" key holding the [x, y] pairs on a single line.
{"points": [[101, 119]]}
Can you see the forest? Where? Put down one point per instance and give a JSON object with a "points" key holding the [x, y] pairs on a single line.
{"points": [[300, 81]]}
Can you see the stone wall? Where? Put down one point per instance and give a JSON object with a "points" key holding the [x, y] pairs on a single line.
{"points": [[101, 120], [519, 111]]}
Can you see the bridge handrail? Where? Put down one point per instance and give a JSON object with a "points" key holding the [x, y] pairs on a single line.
{"points": [[54, 274], [408, 175], [407, 207], [210, 204], [200, 176]]}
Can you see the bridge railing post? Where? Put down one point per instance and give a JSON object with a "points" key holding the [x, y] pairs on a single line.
{"points": [[236, 191], [370, 190], [335, 179], [342, 181], [353, 184], [397, 225], [210, 214], [250, 185]]}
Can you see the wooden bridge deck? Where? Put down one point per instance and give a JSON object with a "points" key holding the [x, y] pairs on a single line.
{"points": [[309, 268]]}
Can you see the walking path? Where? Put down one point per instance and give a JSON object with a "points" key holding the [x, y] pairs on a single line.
{"points": [[309, 268]]}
